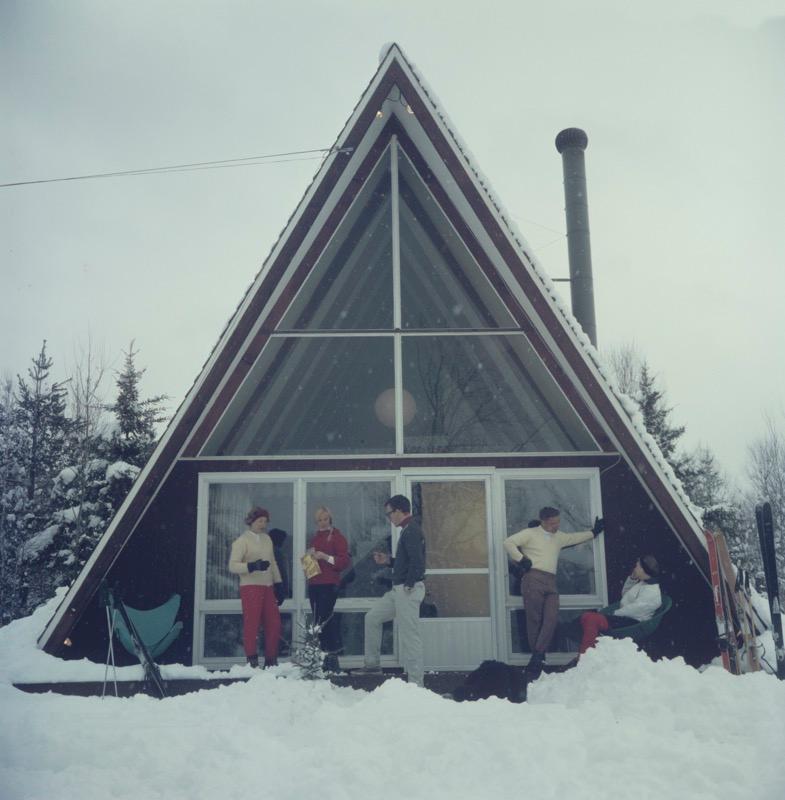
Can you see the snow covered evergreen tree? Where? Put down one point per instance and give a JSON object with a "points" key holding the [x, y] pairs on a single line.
{"points": [[89, 490], [77, 514], [308, 654], [697, 470], [135, 437], [14, 502], [43, 431], [656, 416]]}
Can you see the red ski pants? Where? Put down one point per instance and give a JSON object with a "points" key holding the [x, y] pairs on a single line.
{"points": [[260, 610], [593, 624]]}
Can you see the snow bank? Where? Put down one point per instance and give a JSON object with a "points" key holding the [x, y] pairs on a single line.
{"points": [[616, 724]]}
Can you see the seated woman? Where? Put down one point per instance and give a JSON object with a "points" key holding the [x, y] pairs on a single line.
{"points": [[640, 599]]}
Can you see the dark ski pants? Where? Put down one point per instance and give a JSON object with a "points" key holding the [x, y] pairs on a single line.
{"points": [[322, 598], [260, 609], [541, 603]]}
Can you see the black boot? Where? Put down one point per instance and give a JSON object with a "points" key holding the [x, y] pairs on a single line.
{"points": [[534, 667], [270, 662], [253, 661]]}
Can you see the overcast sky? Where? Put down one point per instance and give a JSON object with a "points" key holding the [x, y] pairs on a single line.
{"points": [[683, 107]]}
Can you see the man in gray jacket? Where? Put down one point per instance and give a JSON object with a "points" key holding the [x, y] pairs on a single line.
{"points": [[402, 602]]}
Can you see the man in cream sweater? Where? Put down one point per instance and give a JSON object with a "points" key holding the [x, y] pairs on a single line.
{"points": [[535, 552]]}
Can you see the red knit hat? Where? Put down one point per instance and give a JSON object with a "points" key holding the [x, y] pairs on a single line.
{"points": [[255, 513]]}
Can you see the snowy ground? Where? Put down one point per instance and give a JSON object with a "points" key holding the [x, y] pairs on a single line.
{"points": [[616, 726]]}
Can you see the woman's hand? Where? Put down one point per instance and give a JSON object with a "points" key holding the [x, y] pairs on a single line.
{"points": [[320, 556]]}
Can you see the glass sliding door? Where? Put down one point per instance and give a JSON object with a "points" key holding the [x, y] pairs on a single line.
{"points": [[472, 610], [357, 509], [455, 514], [356, 502]]}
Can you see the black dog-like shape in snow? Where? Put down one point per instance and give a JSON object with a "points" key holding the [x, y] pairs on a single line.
{"points": [[493, 679]]}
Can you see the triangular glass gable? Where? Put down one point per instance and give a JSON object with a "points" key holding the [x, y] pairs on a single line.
{"points": [[442, 286], [312, 395], [350, 286], [326, 380], [484, 393]]}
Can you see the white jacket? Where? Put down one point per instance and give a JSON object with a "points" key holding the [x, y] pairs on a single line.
{"points": [[639, 600]]}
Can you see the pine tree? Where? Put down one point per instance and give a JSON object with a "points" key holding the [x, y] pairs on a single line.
{"points": [[14, 504], [85, 494], [41, 410], [308, 654], [44, 428], [134, 440], [698, 470], [656, 415]]}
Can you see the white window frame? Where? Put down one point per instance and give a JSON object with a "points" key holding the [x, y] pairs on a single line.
{"points": [[507, 603], [297, 605], [399, 480]]}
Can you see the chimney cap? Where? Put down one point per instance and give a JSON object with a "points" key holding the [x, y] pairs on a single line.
{"points": [[571, 137]]}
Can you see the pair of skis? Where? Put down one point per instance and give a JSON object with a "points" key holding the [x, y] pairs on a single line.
{"points": [[765, 523], [735, 616]]}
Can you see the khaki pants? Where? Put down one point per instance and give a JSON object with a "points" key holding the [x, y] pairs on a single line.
{"points": [[404, 608], [541, 603]]}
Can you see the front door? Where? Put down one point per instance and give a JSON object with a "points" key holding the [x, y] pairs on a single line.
{"points": [[455, 514]]}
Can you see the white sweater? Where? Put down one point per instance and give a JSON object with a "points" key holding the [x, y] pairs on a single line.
{"points": [[639, 600]]}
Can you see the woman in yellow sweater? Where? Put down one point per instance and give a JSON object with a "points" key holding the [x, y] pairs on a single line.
{"points": [[252, 558]]}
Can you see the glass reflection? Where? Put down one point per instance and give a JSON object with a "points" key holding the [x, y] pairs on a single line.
{"points": [[311, 396], [485, 393], [524, 499]]}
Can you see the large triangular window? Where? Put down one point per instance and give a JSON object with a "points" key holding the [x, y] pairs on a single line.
{"points": [[442, 286], [351, 285], [397, 342]]}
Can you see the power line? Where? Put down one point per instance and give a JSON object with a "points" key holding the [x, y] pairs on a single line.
{"points": [[273, 158]]}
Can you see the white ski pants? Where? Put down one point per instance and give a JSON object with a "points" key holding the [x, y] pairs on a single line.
{"points": [[404, 608]]}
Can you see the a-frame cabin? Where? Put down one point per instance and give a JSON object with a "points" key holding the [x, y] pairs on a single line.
{"points": [[398, 339]]}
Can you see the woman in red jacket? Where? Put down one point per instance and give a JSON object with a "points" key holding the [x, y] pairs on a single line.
{"points": [[330, 549]]}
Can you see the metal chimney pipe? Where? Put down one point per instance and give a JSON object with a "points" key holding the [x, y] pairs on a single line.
{"points": [[571, 143]]}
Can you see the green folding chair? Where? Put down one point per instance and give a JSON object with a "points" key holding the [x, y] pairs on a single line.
{"points": [[156, 627], [640, 630]]}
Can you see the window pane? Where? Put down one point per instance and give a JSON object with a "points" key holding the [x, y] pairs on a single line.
{"points": [[485, 393], [566, 639], [358, 512], [223, 636], [442, 286], [228, 505], [524, 499], [461, 595], [453, 521], [314, 395], [350, 286]]}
